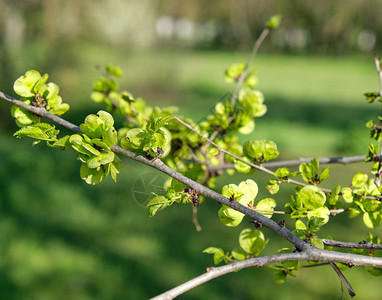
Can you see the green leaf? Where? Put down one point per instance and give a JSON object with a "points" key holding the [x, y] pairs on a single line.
{"points": [[113, 70], [59, 110], [91, 176], [333, 198], [97, 96], [300, 225], [229, 216], [250, 189], [273, 186], [242, 167], [280, 277], [50, 92], [133, 139], [321, 212], [252, 241], [23, 117], [36, 132], [109, 137], [316, 241], [324, 174], [282, 172], [359, 179], [251, 80], [40, 83], [251, 102], [24, 85], [155, 204], [312, 197], [262, 150], [115, 168], [102, 159], [218, 253], [62, 143], [267, 204], [93, 126], [372, 219], [274, 22], [239, 254], [248, 127], [347, 195], [371, 96], [314, 224], [233, 72], [106, 118]]}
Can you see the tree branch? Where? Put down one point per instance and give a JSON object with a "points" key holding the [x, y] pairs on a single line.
{"points": [[379, 171], [42, 112], [305, 251], [296, 162], [343, 279], [360, 245], [159, 165], [323, 160], [214, 272], [311, 254]]}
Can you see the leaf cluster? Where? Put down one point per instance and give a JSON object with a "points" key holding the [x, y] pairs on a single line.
{"points": [[252, 242], [93, 148]]}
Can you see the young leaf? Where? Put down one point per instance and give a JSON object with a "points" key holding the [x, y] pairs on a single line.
{"points": [[218, 253], [347, 195], [155, 204], [282, 172], [23, 86], [252, 241], [267, 204], [273, 186], [312, 197], [239, 254], [359, 179], [274, 22]]}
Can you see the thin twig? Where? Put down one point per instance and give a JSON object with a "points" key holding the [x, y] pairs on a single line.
{"points": [[214, 272], [195, 218], [322, 161], [332, 212], [296, 162], [243, 74], [379, 171], [343, 279], [310, 254], [378, 67], [221, 149], [261, 168], [360, 245], [42, 112]]}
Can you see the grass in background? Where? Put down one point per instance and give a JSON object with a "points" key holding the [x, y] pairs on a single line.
{"points": [[60, 236]]}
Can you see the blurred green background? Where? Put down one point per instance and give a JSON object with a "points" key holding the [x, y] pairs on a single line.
{"points": [[63, 239]]}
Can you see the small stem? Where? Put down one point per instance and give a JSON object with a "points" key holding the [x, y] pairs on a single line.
{"points": [[360, 245], [243, 74], [221, 149], [195, 218], [261, 168], [333, 212], [378, 66], [379, 171], [343, 279]]}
